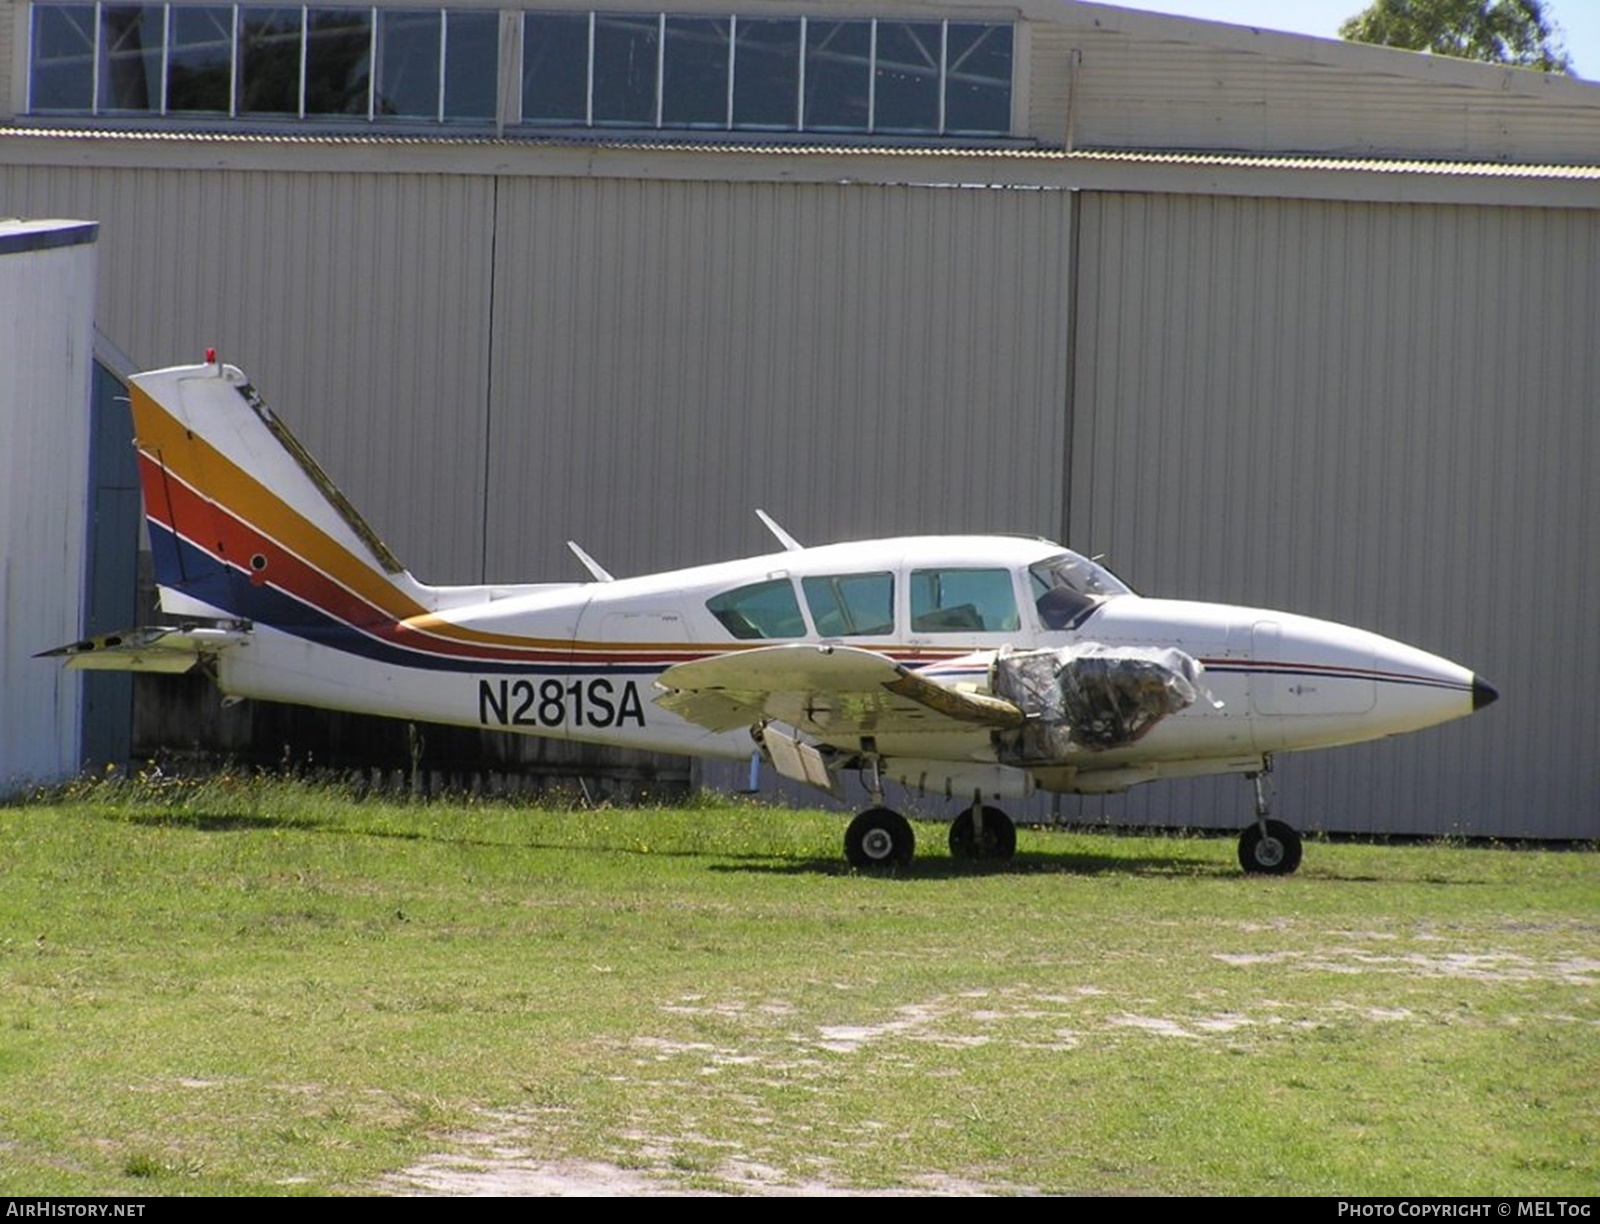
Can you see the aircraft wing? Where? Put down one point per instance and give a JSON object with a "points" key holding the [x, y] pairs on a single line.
{"points": [[827, 691], [149, 649]]}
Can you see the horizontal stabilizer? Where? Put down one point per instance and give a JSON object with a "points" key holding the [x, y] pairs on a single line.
{"points": [[151, 649]]}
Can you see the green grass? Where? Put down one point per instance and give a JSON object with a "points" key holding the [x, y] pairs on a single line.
{"points": [[243, 987]]}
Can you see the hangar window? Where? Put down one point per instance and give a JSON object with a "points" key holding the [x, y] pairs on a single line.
{"points": [[694, 72], [301, 63], [838, 94], [130, 38], [199, 72], [63, 76], [766, 75], [761, 610], [977, 80], [269, 61], [338, 60], [905, 83], [555, 68], [260, 61], [779, 74]]}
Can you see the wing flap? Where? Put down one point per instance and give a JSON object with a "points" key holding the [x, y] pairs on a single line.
{"points": [[150, 649], [827, 691]]}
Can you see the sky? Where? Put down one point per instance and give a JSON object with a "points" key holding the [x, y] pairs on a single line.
{"points": [[1579, 20]]}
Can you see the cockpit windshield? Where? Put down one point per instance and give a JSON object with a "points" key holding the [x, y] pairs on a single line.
{"points": [[1068, 588]]}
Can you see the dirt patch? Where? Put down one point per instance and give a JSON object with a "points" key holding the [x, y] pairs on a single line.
{"points": [[495, 1163], [1483, 966]]}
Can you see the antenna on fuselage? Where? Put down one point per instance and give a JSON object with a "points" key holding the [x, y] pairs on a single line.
{"points": [[789, 543], [589, 563]]}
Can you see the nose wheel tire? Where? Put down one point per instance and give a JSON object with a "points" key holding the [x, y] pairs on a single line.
{"points": [[996, 843], [879, 840], [1276, 851]]}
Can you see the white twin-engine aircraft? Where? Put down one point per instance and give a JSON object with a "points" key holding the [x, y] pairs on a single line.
{"points": [[976, 667]]}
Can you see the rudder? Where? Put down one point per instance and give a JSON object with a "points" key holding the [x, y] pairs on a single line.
{"points": [[243, 522]]}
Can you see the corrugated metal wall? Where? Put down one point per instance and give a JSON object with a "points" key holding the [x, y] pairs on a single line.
{"points": [[331, 291], [858, 360], [1378, 414], [47, 277], [666, 356]]}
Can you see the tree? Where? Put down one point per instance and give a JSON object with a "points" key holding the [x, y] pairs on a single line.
{"points": [[1518, 32]]}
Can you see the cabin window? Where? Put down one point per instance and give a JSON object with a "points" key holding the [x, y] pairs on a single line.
{"points": [[1067, 588], [761, 610], [963, 601], [851, 605]]}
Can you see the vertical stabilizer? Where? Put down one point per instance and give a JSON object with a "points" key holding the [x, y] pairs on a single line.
{"points": [[243, 523]]}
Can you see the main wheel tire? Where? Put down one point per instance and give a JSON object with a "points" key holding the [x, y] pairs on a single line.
{"points": [[996, 844], [879, 840], [1275, 852]]}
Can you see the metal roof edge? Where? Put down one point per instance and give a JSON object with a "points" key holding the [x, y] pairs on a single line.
{"points": [[1216, 159]]}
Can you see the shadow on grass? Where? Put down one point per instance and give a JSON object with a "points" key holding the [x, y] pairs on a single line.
{"points": [[206, 822], [938, 866], [1031, 863], [757, 862]]}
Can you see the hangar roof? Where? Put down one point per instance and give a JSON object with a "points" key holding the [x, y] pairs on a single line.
{"points": [[1081, 76]]}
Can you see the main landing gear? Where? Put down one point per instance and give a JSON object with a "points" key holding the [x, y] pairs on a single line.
{"points": [[1268, 847], [982, 833], [881, 839]]}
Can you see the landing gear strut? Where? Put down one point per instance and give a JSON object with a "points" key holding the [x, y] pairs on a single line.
{"points": [[982, 833], [1267, 847], [879, 839]]}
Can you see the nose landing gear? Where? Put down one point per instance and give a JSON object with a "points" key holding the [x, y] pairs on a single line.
{"points": [[1267, 847]]}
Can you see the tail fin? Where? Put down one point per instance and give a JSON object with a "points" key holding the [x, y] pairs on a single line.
{"points": [[243, 523]]}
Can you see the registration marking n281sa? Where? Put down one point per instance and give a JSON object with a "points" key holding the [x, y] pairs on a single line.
{"points": [[553, 702]]}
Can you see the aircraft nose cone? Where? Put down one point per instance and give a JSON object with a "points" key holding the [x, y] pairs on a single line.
{"points": [[1483, 693]]}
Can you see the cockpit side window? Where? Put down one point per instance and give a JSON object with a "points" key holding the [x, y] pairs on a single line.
{"points": [[761, 610], [1068, 588], [851, 605], [963, 601]]}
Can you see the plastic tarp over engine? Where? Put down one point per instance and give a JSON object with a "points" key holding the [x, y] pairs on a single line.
{"points": [[1089, 698]]}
